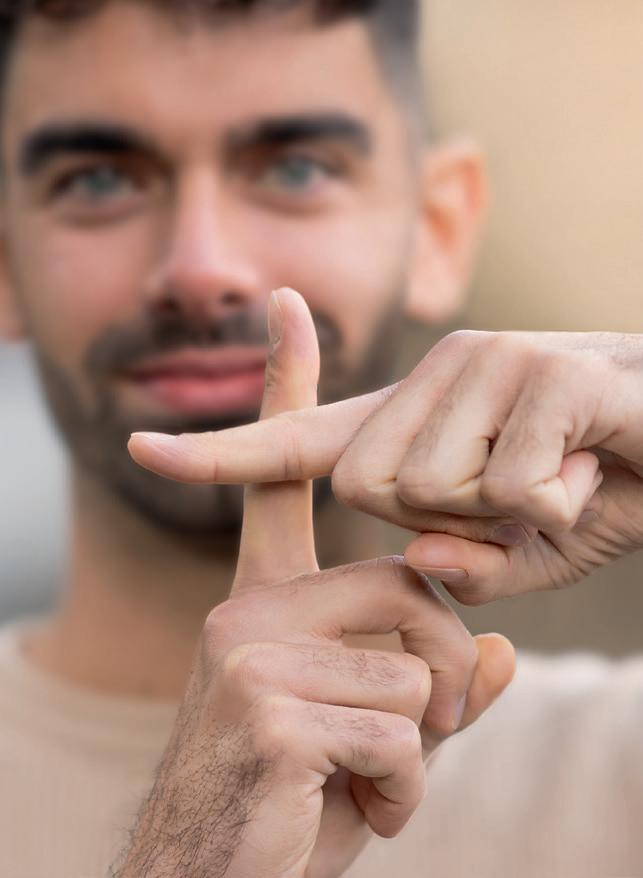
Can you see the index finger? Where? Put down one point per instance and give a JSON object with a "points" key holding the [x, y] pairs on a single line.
{"points": [[291, 446], [277, 538]]}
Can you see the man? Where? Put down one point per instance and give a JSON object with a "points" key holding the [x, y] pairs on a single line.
{"points": [[165, 166]]}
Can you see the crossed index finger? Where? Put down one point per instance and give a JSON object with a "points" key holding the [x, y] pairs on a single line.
{"points": [[292, 446], [277, 539]]}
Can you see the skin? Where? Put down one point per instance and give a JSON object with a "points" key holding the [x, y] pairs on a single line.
{"points": [[189, 232], [546, 484], [397, 220], [207, 239], [282, 726]]}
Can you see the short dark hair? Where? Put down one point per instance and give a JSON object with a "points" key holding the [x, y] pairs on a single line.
{"points": [[394, 25]]}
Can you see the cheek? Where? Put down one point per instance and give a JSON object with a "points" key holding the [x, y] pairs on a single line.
{"points": [[75, 284], [351, 270]]}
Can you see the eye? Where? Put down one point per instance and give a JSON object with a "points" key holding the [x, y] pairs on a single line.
{"points": [[295, 173], [99, 184]]}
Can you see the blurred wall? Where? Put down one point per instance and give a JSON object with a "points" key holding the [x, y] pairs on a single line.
{"points": [[554, 91], [32, 492]]}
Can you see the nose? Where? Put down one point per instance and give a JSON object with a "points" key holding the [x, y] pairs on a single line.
{"points": [[203, 271]]}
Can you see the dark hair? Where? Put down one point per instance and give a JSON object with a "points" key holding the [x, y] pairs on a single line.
{"points": [[393, 24]]}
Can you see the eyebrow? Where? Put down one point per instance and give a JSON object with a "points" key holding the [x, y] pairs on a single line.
{"points": [[51, 140], [275, 132]]}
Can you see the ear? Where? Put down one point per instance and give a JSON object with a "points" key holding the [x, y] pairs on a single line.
{"points": [[11, 325], [453, 193]]}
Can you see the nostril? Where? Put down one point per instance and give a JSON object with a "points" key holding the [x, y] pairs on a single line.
{"points": [[168, 306], [231, 299]]}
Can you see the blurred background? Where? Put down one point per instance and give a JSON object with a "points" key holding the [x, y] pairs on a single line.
{"points": [[554, 92]]}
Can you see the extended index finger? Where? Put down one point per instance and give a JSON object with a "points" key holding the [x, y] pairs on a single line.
{"points": [[292, 446], [277, 539]]}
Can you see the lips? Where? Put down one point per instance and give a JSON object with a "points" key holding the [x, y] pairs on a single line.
{"points": [[225, 381]]}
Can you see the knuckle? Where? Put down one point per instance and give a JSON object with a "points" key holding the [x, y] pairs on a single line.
{"points": [[402, 577], [219, 619], [419, 487], [512, 345], [557, 365], [461, 339], [528, 502], [407, 737], [271, 719], [363, 754], [346, 488], [218, 627], [417, 678], [245, 666], [502, 492], [351, 484], [557, 517]]}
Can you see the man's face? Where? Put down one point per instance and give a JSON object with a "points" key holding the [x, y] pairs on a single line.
{"points": [[160, 180]]}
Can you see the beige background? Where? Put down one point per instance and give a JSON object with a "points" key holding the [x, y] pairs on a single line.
{"points": [[554, 90]]}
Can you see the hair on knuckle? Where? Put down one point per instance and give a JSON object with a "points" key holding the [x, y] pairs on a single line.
{"points": [[377, 669]]}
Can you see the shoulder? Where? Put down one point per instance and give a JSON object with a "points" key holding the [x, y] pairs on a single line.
{"points": [[556, 694], [561, 686], [570, 717], [550, 780]]}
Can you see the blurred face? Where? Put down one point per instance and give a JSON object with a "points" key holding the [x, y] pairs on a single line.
{"points": [[161, 178]]}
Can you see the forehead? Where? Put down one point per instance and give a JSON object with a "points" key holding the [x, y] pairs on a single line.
{"points": [[134, 64]]}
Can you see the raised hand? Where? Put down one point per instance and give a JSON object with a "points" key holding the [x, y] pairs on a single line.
{"points": [[290, 748], [517, 457]]}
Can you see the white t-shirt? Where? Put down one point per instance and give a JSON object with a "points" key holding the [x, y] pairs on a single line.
{"points": [[548, 784]]}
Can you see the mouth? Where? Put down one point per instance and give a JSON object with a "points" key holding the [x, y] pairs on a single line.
{"points": [[221, 382]]}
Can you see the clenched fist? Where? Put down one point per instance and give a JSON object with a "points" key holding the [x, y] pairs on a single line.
{"points": [[516, 457], [290, 748]]}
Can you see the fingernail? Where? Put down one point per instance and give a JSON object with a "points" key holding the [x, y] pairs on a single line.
{"points": [[156, 438], [510, 535], [275, 319], [445, 574]]}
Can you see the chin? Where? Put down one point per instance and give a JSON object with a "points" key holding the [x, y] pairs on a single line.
{"points": [[214, 511]]}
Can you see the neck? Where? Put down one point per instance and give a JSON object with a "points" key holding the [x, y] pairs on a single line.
{"points": [[137, 597], [135, 602]]}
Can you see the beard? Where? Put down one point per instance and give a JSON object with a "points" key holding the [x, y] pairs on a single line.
{"points": [[97, 431]]}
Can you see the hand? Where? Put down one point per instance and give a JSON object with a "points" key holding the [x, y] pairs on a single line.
{"points": [[518, 457], [290, 748]]}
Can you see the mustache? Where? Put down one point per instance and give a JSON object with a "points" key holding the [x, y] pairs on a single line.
{"points": [[122, 347]]}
